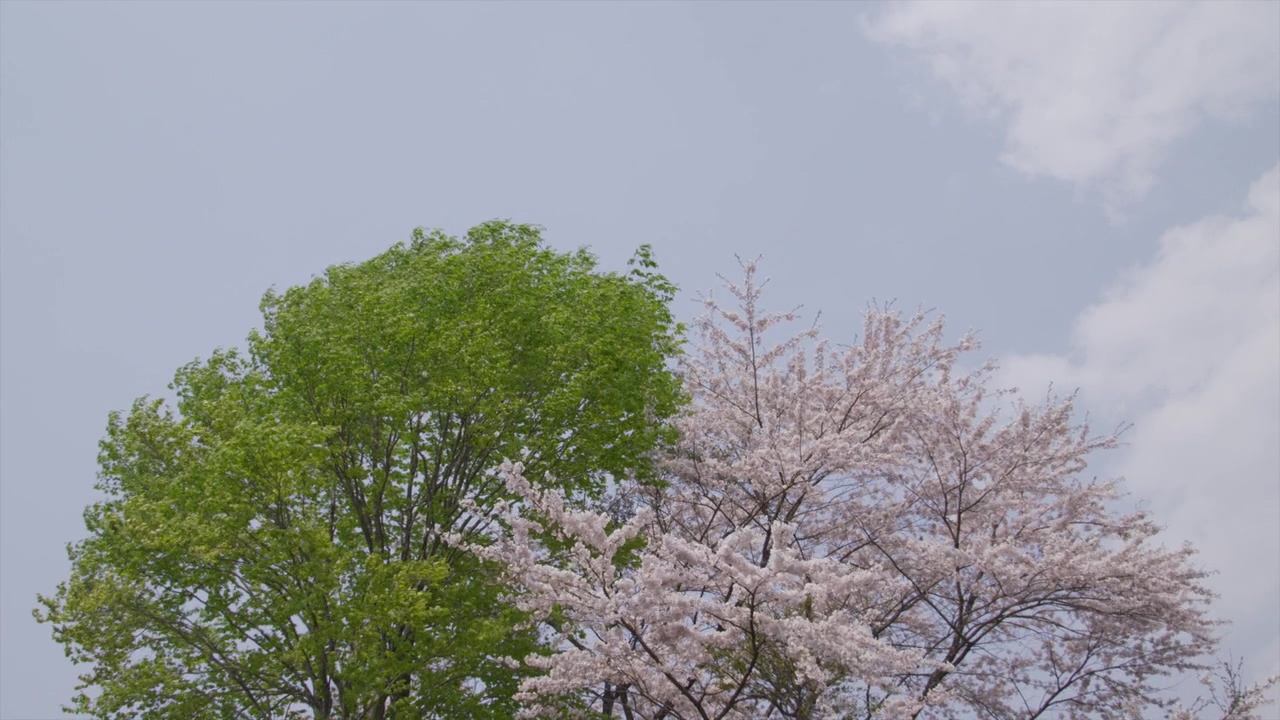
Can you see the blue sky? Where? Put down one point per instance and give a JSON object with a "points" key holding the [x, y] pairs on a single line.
{"points": [[1089, 186]]}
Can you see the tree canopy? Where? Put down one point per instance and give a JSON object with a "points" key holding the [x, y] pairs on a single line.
{"points": [[858, 531], [474, 478], [275, 544]]}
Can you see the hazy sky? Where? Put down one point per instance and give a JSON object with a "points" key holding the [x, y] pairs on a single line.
{"points": [[1092, 187]]}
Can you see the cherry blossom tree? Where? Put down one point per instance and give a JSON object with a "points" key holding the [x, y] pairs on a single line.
{"points": [[862, 531]]}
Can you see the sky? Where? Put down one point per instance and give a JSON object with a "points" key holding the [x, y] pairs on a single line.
{"points": [[1092, 187]]}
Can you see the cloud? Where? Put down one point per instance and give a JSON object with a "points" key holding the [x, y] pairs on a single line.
{"points": [[1095, 93], [1188, 348]]}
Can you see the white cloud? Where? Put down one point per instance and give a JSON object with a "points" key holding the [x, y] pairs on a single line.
{"points": [[1095, 93], [1188, 348]]}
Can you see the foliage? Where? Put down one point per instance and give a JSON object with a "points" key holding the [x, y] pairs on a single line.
{"points": [[855, 532], [273, 548]]}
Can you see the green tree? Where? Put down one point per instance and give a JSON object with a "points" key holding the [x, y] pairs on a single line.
{"points": [[277, 544]]}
